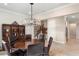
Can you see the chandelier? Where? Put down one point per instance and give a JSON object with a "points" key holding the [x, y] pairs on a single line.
{"points": [[32, 21]]}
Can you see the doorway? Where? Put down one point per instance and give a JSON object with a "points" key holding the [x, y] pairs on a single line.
{"points": [[72, 27], [72, 30]]}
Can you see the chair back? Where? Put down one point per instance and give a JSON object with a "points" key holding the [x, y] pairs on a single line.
{"points": [[50, 43], [6, 47], [35, 50], [28, 37]]}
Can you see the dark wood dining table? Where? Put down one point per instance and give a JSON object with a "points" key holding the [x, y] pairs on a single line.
{"points": [[25, 44]]}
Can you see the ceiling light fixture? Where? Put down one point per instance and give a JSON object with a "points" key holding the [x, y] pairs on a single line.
{"points": [[31, 21], [5, 4], [73, 16]]}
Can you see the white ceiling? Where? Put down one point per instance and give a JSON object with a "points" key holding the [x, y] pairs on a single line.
{"points": [[24, 8]]}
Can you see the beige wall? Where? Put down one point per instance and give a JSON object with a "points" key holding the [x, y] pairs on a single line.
{"points": [[77, 31], [56, 29]]}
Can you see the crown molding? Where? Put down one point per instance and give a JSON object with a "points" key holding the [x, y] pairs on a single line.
{"points": [[11, 12]]}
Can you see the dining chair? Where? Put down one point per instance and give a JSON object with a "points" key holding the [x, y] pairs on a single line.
{"points": [[13, 51], [35, 50], [6, 47], [47, 49]]}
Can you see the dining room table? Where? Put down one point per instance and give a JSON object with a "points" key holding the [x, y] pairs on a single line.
{"points": [[23, 45]]}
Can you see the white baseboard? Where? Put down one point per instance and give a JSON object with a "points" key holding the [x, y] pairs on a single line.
{"points": [[59, 42]]}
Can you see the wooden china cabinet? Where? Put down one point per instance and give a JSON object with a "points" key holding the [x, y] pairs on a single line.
{"points": [[13, 33]]}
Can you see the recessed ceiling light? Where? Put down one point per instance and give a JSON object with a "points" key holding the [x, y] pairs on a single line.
{"points": [[73, 16], [5, 4]]}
